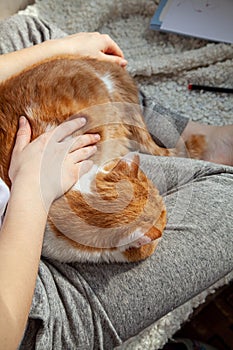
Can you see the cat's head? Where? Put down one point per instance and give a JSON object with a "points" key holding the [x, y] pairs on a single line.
{"points": [[120, 218]]}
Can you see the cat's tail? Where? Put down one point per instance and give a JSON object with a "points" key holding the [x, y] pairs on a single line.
{"points": [[194, 147]]}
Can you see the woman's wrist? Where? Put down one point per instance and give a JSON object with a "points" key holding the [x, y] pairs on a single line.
{"points": [[17, 61], [29, 190], [53, 48]]}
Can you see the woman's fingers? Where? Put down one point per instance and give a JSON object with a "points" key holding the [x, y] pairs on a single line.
{"points": [[83, 141], [111, 47], [83, 167], [83, 153], [94, 45], [23, 138], [111, 58], [112, 52], [68, 128], [82, 147], [23, 135]]}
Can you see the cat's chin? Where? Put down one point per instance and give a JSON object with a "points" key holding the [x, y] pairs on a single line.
{"points": [[65, 250]]}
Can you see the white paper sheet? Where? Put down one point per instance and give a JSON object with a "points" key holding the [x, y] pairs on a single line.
{"points": [[209, 19]]}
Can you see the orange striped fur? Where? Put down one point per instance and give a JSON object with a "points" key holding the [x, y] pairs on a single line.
{"points": [[121, 216]]}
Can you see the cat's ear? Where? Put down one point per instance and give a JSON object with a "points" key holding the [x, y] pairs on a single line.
{"points": [[130, 161], [133, 161], [127, 164]]}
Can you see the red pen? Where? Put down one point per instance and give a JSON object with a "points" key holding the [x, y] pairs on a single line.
{"points": [[209, 88]]}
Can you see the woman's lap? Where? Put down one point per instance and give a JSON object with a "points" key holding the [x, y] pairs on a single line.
{"points": [[98, 306]]}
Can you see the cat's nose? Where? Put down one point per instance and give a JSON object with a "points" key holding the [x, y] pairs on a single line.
{"points": [[154, 233], [140, 242]]}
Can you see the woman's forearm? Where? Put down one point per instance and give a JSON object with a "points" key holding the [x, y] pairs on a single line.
{"points": [[22, 233], [95, 45], [20, 249], [14, 62]]}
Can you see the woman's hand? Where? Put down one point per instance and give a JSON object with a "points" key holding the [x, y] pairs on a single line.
{"points": [[94, 45], [40, 172], [53, 162]]}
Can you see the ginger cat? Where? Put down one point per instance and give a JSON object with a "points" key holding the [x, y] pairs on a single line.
{"points": [[114, 212]]}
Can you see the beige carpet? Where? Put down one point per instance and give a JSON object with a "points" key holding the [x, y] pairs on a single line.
{"points": [[163, 64]]}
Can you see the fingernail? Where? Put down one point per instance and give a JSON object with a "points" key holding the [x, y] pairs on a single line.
{"points": [[22, 121], [83, 121], [123, 63], [94, 149], [97, 136]]}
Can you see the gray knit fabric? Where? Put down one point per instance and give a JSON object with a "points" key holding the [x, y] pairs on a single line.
{"points": [[88, 306], [19, 32], [165, 125]]}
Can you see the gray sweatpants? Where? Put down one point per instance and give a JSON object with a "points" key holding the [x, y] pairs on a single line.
{"points": [[88, 306]]}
